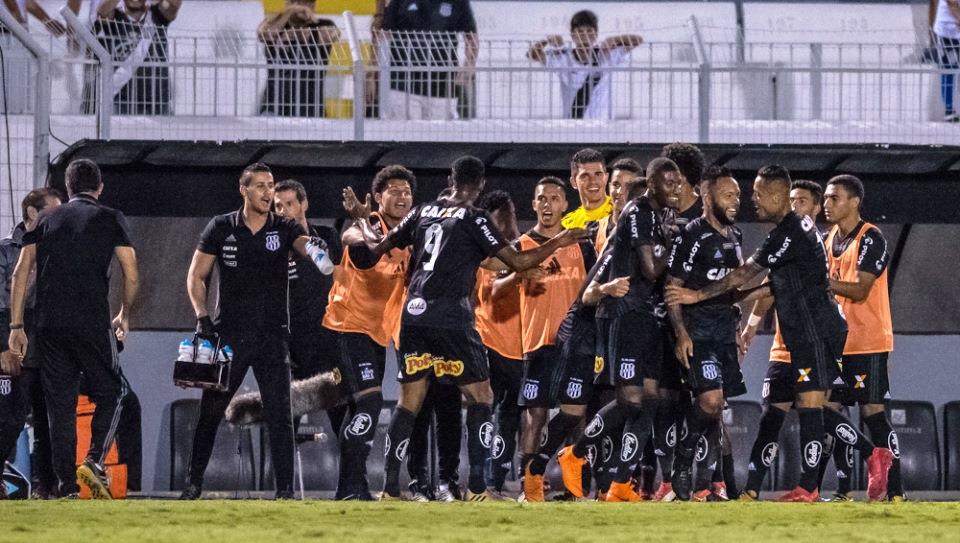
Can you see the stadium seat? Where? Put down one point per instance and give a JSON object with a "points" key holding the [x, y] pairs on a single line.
{"points": [[318, 452], [227, 470], [916, 425], [951, 445], [742, 421]]}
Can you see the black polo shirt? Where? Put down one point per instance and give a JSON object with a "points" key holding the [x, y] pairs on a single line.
{"points": [[75, 244], [434, 47], [309, 288], [253, 271]]}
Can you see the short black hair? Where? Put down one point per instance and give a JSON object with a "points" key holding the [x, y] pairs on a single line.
{"points": [[812, 186], [627, 165], [713, 173], [551, 180], [295, 186], [637, 188], [494, 200], [660, 166], [467, 171], [688, 158], [584, 156], [37, 198], [82, 175], [850, 183], [775, 172], [251, 170], [393, 171], [584, 18]]}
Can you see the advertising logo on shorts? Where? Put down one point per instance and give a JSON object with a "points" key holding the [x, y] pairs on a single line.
{"points": [[627, 370], [359, 424], [574, 389], [846, 433], [769, 454], [486, 434], [530, 390], [628, 448], [811, 453], [5, 386], [273, 241], [709, 370], [416, 306], [595, 427]]}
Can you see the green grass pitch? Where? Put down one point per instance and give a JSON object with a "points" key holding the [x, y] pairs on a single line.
{"points": [[277, 522]]}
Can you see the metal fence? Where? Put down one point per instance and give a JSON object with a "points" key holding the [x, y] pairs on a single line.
{"points": [[319, 82]]}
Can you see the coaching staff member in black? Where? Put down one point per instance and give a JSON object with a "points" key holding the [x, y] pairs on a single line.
{"points": [[250, 248], [72, 247]]}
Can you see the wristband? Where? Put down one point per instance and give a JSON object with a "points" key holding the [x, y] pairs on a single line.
{"points": [[16, 326], [754, 320]]}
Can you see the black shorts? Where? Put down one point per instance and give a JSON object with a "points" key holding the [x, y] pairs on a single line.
{"points": [[714, 366], [506, 374], [455, 355], [579, 366], [633, 349], [866, 380], [671, 372], [312, 351], [539, 388], [816, 365], [362, 362], [778, 384]]}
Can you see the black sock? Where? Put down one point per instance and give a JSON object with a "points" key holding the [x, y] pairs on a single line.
{"points": [[707, 455], [829, 442], [697, 424], [357, 434], [479, 439], [765, 448], [605, 460], [665, 430], [636, 433], [811, 446], [605, 421], [884, 436], [398, 438], [504, 447], [558, 429], [844, 431], [730, 476], [843, 460]]}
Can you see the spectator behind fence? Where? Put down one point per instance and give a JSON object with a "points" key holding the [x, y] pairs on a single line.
{"points": [[135, 35], [298, 41], [422, 34], [585, 68], [16, 71], [944, 17]]}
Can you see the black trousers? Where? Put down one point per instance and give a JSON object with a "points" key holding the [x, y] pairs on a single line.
{"points": [[64, 354], [267, 354], [129, 436], [443, 400]]}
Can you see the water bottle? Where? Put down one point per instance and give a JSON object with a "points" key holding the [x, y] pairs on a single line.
{"points": [[186, 351], [225, 354], [205, 353]]}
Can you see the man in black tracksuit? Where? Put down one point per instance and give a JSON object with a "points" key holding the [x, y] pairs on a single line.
{"points": [[251, 249], [72, 247]]}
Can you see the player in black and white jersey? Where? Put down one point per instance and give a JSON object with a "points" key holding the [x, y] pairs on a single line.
{"points": [[810, 320], [450, 239]]}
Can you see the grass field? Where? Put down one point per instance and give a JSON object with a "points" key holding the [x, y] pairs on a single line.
{"points": [[272, 522]]}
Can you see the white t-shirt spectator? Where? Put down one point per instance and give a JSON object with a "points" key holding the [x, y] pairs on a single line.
{"points": [[946, 25], [585, 89]]}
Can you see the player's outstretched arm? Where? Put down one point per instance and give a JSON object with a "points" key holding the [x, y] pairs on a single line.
{"points": [[523, 260], [360, 213], [676, 294]]}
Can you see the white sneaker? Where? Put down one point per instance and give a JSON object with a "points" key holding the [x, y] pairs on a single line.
{"points": [[444, 494], [952, 118]]}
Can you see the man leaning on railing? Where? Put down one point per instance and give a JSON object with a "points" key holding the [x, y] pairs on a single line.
{"points": [[585, 68], [299, 41], [423, 37], [135, 34]]}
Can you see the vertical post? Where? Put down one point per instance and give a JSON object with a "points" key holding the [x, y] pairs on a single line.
{"points": [[105, 86], [741, 32], [41, 111], [359, 75], [816, 80], [703, 82]]}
